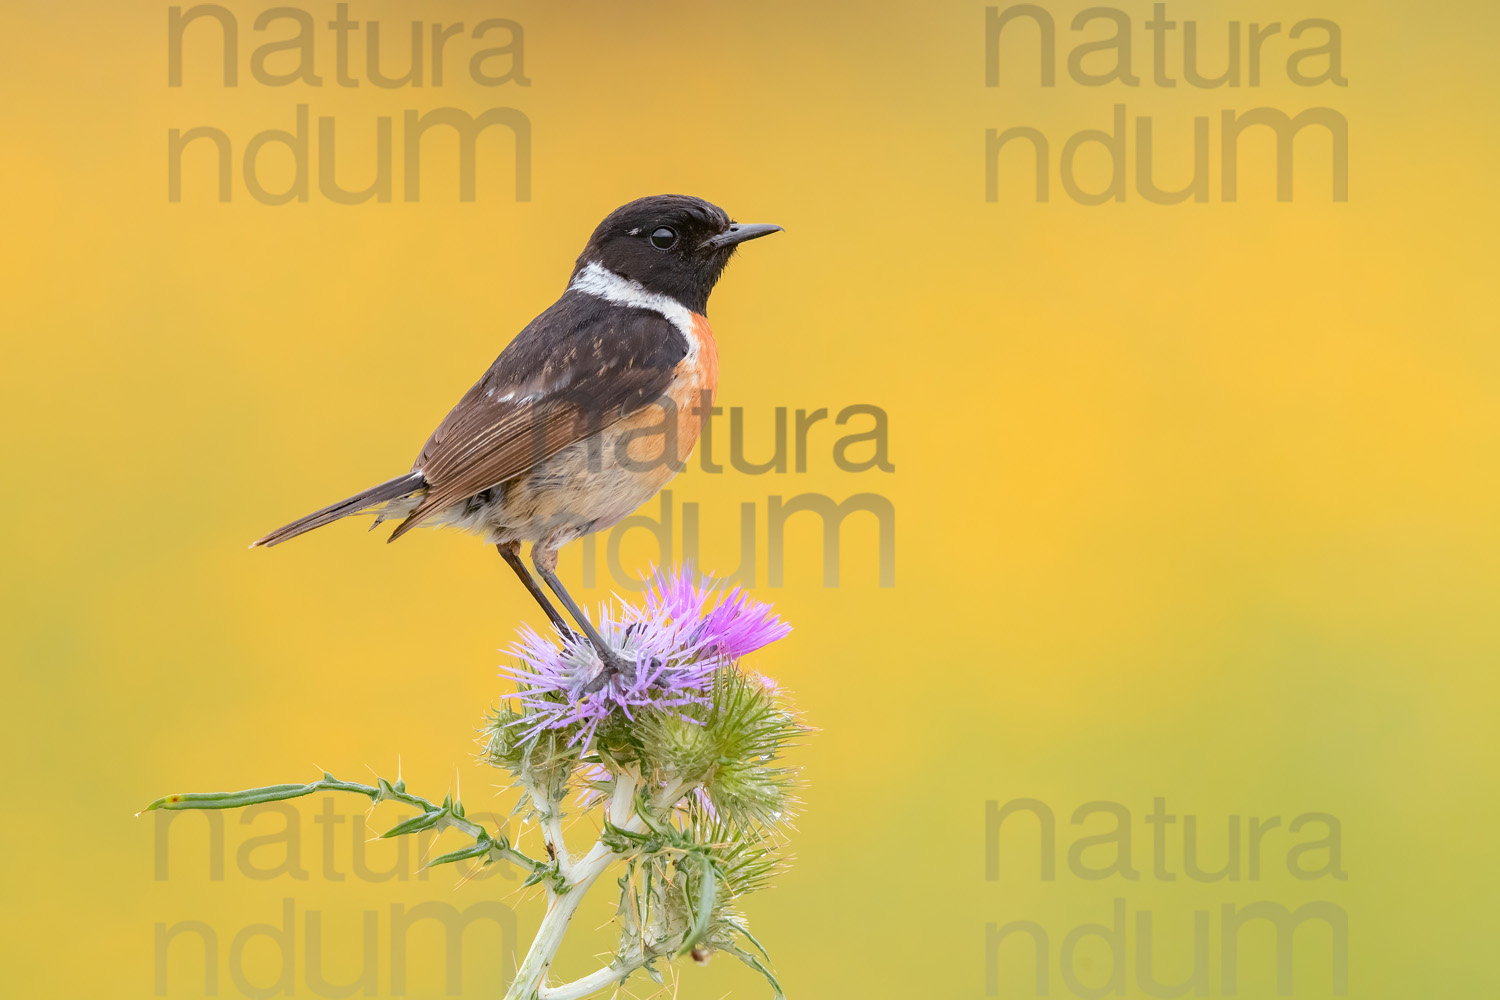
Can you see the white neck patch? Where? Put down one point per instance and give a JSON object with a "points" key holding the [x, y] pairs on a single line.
{"points": [[600, 282]]}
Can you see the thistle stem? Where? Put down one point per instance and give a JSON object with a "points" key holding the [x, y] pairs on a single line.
{"points": [[550, 821], [580, 875], [549, 935], [590, 983]]}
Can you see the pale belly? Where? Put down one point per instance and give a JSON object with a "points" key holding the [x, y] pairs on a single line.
{"points": [[586, 487]]}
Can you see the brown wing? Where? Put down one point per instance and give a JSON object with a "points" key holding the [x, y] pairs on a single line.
{"points": [[577, 368]]}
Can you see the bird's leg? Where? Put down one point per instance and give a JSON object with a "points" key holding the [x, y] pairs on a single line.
{"points": [[511, 553], [545, 560]]}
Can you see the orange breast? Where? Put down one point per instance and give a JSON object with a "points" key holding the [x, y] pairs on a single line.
{"points": [[689, 398], [694, 388], [708, 354]]}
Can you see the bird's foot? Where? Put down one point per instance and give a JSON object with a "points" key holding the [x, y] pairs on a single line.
{"points": [[615, 665]]}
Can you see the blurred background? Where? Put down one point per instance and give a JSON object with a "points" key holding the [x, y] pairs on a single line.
{"points": [[1190, 502]]}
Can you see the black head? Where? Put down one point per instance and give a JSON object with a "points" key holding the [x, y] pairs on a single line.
{"points": [[672, 244]]}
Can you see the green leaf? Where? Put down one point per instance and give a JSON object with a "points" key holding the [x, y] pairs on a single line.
{"points": [[703, 913], [549, 873], [744, 932], [425, 821], [478, 850], [234, 800], [758, 966], [622, 841]]}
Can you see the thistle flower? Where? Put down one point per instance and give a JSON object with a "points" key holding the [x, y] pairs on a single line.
{"points": [[737, 624], [683, 633]]}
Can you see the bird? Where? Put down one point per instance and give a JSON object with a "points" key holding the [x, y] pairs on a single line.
{"points": [[586, 414]]}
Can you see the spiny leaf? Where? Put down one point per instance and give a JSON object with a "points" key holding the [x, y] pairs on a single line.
{"points": [[758, 966], [425, 821], [249, 797], [477, 850], [704, 911], [740, 929]]}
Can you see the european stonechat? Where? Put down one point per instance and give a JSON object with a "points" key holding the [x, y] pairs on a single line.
{"points": [[587, 413]]}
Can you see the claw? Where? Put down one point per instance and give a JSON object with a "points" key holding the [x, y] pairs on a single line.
{"points": [[615, 665]]}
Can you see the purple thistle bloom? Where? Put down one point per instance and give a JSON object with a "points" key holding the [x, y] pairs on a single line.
{"points": [[737, 625], [676, 641]]}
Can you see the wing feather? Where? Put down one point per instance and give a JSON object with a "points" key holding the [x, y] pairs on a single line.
{"points": [[577, 368]]}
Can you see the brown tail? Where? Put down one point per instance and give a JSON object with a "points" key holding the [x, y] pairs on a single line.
{"points": [[393, 490]]}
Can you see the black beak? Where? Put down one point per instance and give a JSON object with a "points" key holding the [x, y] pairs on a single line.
{"points": [[740, 232]]}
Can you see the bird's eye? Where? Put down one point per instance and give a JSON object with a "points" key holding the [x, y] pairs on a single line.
{"points": [[664, 238]]}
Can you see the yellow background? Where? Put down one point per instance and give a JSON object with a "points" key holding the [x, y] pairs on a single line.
{"points": [[1194, 502]]}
